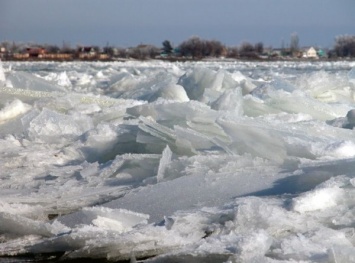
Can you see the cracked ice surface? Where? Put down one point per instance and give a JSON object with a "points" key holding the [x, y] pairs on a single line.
{"points": [[192, 162]]}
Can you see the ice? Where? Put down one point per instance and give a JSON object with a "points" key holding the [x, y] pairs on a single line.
{"points": [[210, 161], [121, 82], [84, 79], [351, 76], [247, 86], [206, 85], [280, 84], [207, 182], [257, 140], [25, 80], [164, 163], [2, 75], [61, 79], [230, 100], [327, 87], [13, 109], [173, 92], [319, 199], [22, 226], [149, 87], [297, 102], [341, 149], [49, 126], [118, 220]]}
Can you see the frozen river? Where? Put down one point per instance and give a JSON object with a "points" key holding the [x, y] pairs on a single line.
{"points": [[185, 162]]}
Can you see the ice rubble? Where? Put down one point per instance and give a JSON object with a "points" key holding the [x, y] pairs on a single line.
{"points": [[29, 81], [13, 109], [222, 163], [230, 232], [2, 75]]}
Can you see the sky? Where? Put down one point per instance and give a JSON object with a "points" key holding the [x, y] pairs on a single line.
{"points": [[127, 23]]}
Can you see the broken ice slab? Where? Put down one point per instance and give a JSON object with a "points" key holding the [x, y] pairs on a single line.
{"points": [[298, 102], [164, 162], [53, 127], [206, 85], [118, 220], [176, 113], [351, 76], [155, 129], [12, 110], [258, 140], [231, 101], [24, 80]]}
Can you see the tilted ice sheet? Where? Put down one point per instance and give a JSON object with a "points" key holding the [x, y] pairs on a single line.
{"points": [[202, 161]]}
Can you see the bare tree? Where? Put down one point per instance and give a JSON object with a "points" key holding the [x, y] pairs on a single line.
{"points": [[214, 48], [247, 50], [153, 51], [193, 47], [345, 46], [198, 48], [109, 50], [66, 48], [259, 48], [144, 52], [232, 52], [294, 42], [6, 45], [121, 52], [16, 47], [52, 48]]}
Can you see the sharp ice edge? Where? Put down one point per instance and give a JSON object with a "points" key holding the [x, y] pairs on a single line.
{"points": [[246, 162]]}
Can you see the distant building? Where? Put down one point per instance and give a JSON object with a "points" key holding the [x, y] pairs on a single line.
{"points": [[310, 53], [58, 56], [87, 52], [20, 55], [35, 52], [2, 52], [276, 52], [30, 53], [321, 53], [40, 53]]}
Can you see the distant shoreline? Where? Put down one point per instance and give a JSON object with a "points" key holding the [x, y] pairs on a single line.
{"points": [[179, 59], [192, 49]]}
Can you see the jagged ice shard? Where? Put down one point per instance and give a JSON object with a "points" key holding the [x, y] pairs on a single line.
{"points": [[177, 162]]}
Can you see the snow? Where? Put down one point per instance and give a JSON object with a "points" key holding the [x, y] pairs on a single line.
{"points": [[317, 200], [186, 162]]}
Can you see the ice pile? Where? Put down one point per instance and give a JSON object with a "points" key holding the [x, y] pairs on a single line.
{"points": [[13, 109], [2, 75], [186, 162]]}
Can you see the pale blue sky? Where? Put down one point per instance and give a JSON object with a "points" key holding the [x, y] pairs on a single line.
{"points": [[131, 22]]}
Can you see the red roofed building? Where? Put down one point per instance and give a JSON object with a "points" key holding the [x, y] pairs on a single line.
{"points": [[35, 52]]}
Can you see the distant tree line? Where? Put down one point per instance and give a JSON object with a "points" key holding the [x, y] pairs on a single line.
{"points": [[199, 48], [193, 48], [344, 46]]}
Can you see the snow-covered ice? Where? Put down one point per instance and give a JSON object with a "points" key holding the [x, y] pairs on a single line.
{"points": [[177, 162]]}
